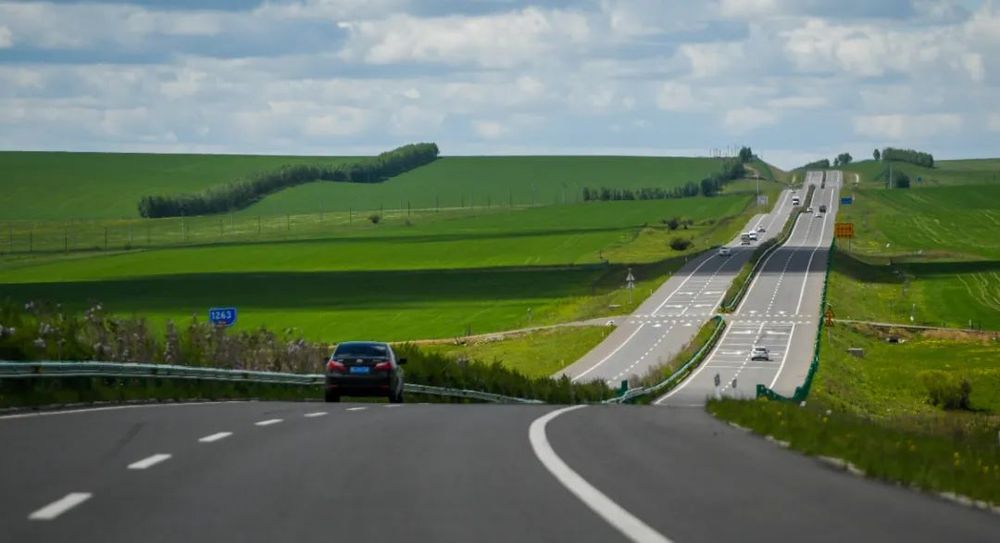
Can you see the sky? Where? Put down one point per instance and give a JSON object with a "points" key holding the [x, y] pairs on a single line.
{"points": [[795, 80]]}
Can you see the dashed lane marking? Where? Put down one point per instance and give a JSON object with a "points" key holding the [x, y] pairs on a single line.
{"points": [[150, 461], [356, 408], [60, 506], [314, 414], [268, 422], [215, 437]]}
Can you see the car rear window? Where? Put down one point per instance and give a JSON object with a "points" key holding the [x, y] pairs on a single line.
{"points": [[361, 349]]}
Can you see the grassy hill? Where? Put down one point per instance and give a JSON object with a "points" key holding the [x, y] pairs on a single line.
{"points": [[65, 186], [944, 172]]}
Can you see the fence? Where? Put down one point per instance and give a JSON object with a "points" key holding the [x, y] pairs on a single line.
{"points": [[64, 370]]}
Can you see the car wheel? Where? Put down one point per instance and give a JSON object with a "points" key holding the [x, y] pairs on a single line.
{"points": [[331, 397], [396, 398]]}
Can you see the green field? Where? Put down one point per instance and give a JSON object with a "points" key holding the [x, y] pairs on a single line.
{"points": [[43, 186], [944, 172], [932, 254]]}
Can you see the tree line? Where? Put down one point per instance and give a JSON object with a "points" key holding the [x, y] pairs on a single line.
{"points": [[709, 186], [907, 155], [243, 193], [817, 165]]}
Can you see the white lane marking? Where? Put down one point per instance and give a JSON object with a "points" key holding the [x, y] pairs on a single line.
{"points": [[684, 282], [784, 356], [612, 353], [60, 506], [763, 265], [314, 414], [805, 278], [215, 437], [149, 462], [704, 364], [268, 422], [626, 523], [356, 408], [392, 405], [108, 408]]}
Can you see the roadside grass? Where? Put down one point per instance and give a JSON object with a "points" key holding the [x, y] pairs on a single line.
{"points": [[540, 353], [662, 372], [948, 294], [60, 185], [958, 223]]}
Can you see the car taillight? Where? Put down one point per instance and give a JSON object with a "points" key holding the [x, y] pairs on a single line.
{"points": [[383, 366], [333, 366]]}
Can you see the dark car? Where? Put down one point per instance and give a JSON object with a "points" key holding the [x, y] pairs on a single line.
{"points": [[364, 368]]}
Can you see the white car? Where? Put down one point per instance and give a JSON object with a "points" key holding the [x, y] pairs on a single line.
{"points": [[809, 210], [753, 235], [725, 251], [759, 353]]}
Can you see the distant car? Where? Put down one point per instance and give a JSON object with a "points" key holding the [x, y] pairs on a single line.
{"points": [[752, 235], [610, 322], [760, 230], [759, 353], [822, 208], [809, 209], [725, 251], [795, 200], [364, 368], [745, 241]]}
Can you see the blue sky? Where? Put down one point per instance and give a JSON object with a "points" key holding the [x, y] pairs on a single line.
{"points": [[797, 80]]}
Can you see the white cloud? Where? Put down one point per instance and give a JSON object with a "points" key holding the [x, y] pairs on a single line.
{"points": [[6, 38], [797, 102], [499, 40], [901, 127], [747, 8], [711, 59], [994, 122], [746, 119], [416, 121], [489, 129], [675, 97]]}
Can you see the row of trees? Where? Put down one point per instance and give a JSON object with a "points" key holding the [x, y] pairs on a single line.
{"points": [[647, 193], [241, 194], [905, 155], [817, 165], [731, 170], [843, 159]]}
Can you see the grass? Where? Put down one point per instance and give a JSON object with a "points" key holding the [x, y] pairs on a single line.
{"points": [[396, 282], [59, 186], [535, 354], [46, 186], [944, 172]]}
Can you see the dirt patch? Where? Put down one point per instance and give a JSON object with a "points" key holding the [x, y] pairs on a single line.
{"points": [[961, 335]]}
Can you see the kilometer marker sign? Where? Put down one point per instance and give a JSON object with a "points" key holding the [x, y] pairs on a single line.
{"points": [[222, 316]]}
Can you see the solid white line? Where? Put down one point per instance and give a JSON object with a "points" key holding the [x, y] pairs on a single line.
{"points": [[763, 266], [708, 259], [60, 506], [107, 408], [393, 405], [704, 364], [630, 526], [268, 422], [605, 359], [215, 437], [356, 408], [316, 414], [784, 356], [149, 462]]}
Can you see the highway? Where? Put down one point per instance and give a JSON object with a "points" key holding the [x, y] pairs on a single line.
{"points": [[779, 311], [255, 471], [672, 315]]}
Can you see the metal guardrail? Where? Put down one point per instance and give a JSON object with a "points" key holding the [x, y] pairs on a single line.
{"points": [[786, 233], [62, 370], [696, 358]]}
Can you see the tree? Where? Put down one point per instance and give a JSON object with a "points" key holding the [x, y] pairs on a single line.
{"points": [[746, 155], [877, 155], [707, 187], [843, 159]]}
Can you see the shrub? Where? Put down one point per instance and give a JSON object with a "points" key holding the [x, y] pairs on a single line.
{"points": [[679, 243], [375, 218], [946, 390], [673, 223]]}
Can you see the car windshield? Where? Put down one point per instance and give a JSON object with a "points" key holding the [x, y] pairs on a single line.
{"points": [[361, 349]]}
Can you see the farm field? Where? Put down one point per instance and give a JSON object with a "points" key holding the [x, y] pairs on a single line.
{"points": [[61, 186], [944, 172], [440, 278]]}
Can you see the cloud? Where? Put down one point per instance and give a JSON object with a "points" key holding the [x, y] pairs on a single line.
{"points": [[502, 40], [6, 37], [747, 119], [797, 102], [489, 129], [994, 122], [675, 97], [900, 127]]}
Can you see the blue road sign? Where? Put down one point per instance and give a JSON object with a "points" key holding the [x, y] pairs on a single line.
{"points": [[846, 200], [222, 316]]}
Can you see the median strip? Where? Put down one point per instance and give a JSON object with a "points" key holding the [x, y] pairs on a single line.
{"points": [[149, 462], [60, 506]]}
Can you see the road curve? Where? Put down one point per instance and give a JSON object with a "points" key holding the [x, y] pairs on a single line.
{"points": [[672, 315], [369, 472]]}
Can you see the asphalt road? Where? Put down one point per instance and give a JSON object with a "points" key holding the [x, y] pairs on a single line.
{"points": [[780, 312], [368, 472], [672, 315]]}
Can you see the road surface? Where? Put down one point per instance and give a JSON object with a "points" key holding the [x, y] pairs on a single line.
{"points": [[668, 319], [779, 311], [248, 471]]}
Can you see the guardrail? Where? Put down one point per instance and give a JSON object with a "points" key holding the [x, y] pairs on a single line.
{"points": [[786, 233], [802, 391], [65, 370], [696, 358]]}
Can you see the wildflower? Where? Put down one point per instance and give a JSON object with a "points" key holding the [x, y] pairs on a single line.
{"points": [[40, 343]]}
